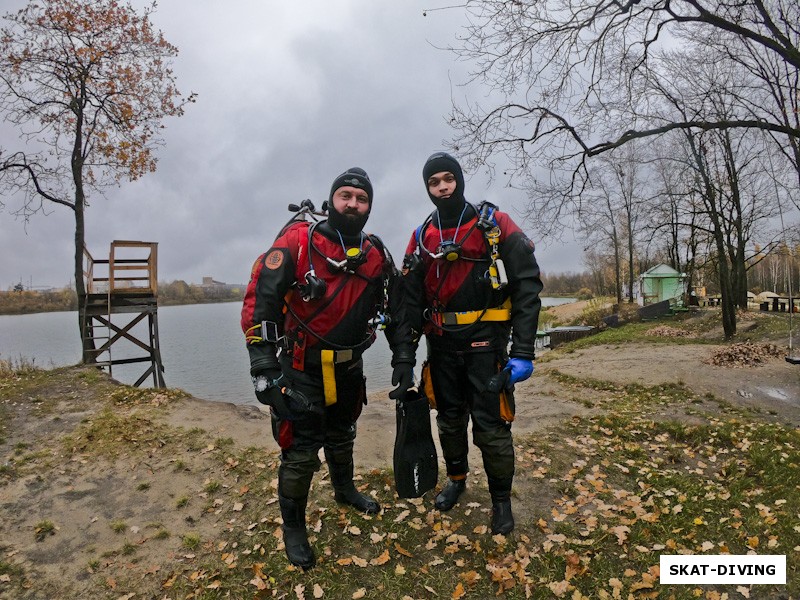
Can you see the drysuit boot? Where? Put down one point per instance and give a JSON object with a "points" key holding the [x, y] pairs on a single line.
{"points": [[502, 517], [295, 538], [345, 491], [447, 498]]}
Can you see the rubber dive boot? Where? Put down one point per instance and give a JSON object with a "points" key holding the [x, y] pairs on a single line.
{"points": [[502, 517], [447, 498], [295, 538], [345, 491]]}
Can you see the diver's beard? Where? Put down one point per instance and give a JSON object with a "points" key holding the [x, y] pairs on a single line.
{"points": [[347, 223]]}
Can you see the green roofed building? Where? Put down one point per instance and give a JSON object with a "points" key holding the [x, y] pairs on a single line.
{"points": [[660, 283]]}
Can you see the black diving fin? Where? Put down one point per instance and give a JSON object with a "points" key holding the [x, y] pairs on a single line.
{"points": [[416, 467]]}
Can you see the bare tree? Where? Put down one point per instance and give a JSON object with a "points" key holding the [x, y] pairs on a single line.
{"points": [[88, 84], [677, 220], [598, 219], [569, 73], [610, 212], [628, 175]]}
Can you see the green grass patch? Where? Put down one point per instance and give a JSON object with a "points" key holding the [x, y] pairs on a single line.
{"points": [[127, 549], [126, 395], [110, 432], [212, 487], [43, 529], [191, 541], [92, 376], [118, 526]]}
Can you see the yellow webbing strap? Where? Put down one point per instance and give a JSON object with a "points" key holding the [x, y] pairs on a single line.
{"points": [[328, 377], [502, 313]]}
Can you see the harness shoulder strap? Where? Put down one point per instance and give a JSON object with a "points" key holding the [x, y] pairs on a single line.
{"points": [[428, 220], [486, 216]]}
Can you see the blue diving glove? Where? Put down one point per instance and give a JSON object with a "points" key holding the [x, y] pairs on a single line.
{"points": [[519, 370]]}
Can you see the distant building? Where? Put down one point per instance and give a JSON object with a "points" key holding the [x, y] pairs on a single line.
{"points": [[209, 282], [212, 287]]}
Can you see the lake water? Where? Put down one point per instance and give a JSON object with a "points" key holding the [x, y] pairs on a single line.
{"points": [[201, 345]]}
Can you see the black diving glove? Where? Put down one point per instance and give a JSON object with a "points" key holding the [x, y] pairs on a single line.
{"points": [[268, 392], [403, 378]]}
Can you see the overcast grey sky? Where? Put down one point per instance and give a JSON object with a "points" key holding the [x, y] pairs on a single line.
{"points": [[290, 94]]}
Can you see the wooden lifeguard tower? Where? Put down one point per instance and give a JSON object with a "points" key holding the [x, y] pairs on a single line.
{"points": [[121, 292]]}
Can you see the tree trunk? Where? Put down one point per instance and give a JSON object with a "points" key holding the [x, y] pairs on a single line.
{"points": [[617, 271], [725, 283], [87, 344], [710, 199], [630, 265], [77, 162]]}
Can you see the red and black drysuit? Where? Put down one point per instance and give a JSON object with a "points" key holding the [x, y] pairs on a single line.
{"points": [[462, 358], [339, 320]]}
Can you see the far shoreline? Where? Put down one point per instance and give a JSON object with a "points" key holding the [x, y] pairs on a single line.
{"points": [[4, 312]]}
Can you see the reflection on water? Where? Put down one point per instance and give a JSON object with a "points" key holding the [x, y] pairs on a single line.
{"points": [[201, 346]]}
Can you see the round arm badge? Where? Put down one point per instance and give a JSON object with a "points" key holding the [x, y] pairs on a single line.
{"points": [[274, 260]]}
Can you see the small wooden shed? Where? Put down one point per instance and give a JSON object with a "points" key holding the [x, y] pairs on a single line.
{"points": [[660, 283]]}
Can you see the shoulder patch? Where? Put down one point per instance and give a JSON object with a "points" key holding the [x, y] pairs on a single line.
{"points": [[274, 260]]}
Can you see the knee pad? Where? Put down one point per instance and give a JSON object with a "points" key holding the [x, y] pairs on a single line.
{"points": [[453, 427], [295, 473], [340, 447], [497, 449]]}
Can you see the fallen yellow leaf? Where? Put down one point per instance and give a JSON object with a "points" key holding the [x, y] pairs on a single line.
{"points": [[459, 592], [471, 578]]}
